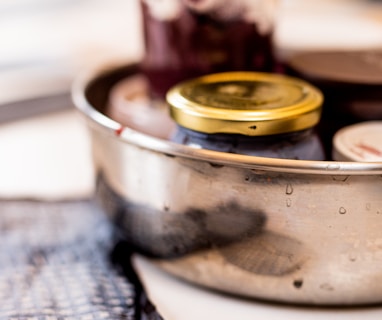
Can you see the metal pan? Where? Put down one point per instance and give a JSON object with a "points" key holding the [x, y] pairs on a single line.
{"points": [[306, 232]]}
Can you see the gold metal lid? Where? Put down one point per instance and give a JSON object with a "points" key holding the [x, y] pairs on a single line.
{"points": [[249, 103]]}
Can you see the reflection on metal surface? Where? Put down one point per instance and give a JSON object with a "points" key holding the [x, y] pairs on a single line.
{"points": [[166, 234], [268, 253]]}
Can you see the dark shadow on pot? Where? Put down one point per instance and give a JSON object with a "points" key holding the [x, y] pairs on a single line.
{"points": [[166, 234]]}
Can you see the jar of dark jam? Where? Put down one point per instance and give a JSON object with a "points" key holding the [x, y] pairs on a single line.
{"points": [[188, 38], [252, 113]]}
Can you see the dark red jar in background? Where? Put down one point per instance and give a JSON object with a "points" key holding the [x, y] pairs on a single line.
{"points": [[185, 39], [188, 38]]}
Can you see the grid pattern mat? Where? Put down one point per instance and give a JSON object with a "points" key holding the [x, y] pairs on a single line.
{"points": [[55, 264]]}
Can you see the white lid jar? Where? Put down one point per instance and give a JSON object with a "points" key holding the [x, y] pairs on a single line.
{"points": [[359, 142]]}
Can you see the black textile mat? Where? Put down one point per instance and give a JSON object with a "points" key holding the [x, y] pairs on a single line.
{"points": [[58, 260]]}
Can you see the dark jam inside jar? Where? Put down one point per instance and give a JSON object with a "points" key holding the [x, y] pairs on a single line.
{"points": [[194, 41], [301, 145]]}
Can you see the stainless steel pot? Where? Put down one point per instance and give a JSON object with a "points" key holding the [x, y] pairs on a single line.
{"points": [[307, 232]]}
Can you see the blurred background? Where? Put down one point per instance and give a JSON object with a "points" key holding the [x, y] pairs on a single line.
{"points": [[46, 43]]}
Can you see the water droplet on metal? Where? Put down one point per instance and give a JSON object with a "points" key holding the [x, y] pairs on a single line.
{"points": [[340, 178], [216, 165], [289, 202], [298, 283], [342, 210], [289, 189], [352, 256]]}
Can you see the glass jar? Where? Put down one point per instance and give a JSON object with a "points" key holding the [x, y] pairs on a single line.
{"points": [[253, 113], [359, 142], [189, 38]]}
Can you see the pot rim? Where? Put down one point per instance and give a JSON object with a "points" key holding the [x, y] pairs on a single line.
{"points": [[127, 135]]}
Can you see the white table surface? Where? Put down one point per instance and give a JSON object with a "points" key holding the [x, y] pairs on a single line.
{"points": [[49, 156]]}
